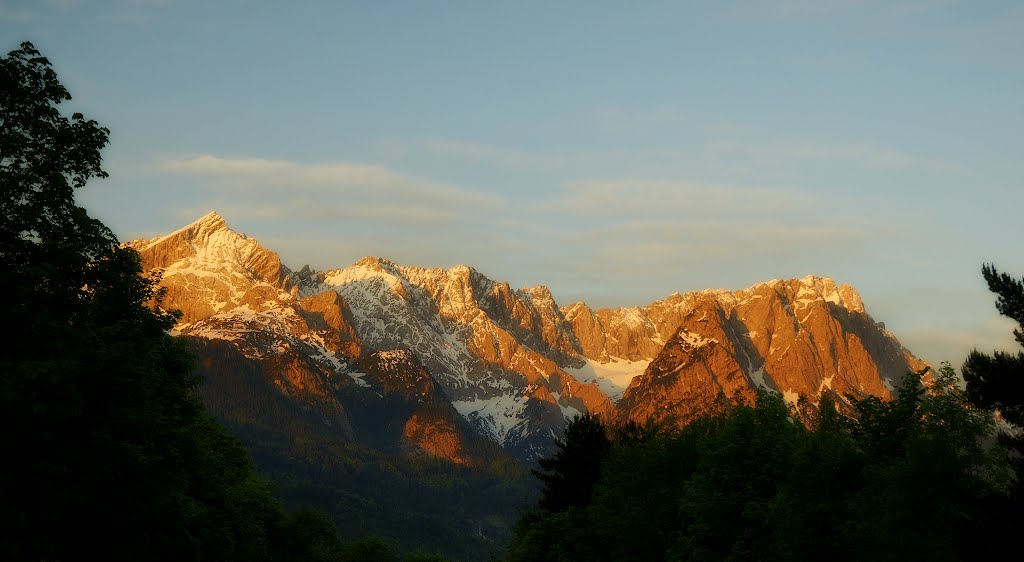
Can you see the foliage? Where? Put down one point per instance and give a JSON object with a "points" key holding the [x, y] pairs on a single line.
{"points": [[44, 156], [109, 453], [996, 382], [903, 479], [570, 474], [96, 400], [1011, 296]]}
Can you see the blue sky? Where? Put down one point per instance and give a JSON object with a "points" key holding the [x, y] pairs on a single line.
{"points": [[614, 151]]}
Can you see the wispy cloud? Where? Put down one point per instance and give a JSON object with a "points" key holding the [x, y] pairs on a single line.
{"points": [[715, 152], [283, 188], [658, 236], [716, 242], [332, 213], [639, 236], [643, 197]]}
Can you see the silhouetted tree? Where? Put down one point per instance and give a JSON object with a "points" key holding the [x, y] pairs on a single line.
{"points": [[570, 474], [108, 453], [997, 380]]}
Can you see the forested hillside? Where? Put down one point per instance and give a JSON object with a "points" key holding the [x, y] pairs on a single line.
{"points": [[916, 478]]}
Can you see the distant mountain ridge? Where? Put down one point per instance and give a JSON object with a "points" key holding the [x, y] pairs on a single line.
{"points": [[514, 364]]}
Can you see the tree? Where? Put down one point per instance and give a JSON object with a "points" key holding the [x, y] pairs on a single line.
{"points": [[917, 477], [52, 257], [44, 157], [108, 451], [569, 476], [559, 529], [997, 380], [725, 503]]}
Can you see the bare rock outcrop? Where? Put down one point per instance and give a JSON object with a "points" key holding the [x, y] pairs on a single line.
{"points": [[403, 349], [799, 337]]}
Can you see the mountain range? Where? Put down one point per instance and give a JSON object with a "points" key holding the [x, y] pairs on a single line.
{"points": [[449, 363]]}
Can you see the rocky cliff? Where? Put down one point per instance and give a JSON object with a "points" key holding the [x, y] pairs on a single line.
{"points": [[463, 351]]}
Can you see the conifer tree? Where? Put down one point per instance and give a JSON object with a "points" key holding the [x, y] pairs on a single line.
{"points": [[997, 380], [570, 474]]}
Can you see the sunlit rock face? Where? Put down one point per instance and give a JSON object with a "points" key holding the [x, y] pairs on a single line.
{"points": [[208, 268], [796, 337], [498, 355], [443, 350], [694, 370]]}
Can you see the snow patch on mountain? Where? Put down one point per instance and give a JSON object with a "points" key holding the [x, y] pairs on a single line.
{"points": [[496, 415], [695, 340], [790, 397], [490, 348], [259, 335], [568, 412], [370, 288], [611, 377], [825, 383], [757, 377]]}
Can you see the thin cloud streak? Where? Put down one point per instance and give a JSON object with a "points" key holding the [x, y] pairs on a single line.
{"points": [[282, 189], [627, 222], [715, 243], [658, 197]]}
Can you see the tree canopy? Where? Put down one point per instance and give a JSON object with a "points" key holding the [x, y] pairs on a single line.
{"points": [[912, 478], [997, 380]]}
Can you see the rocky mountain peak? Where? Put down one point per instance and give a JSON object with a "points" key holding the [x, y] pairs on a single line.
{"points": [[810, 288], [539, 294], [199, 233], [805, 336], [211, 221], [209, 268], [513, 362], [377, 264]]}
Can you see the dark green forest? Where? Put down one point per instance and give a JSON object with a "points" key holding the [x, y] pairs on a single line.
{"points": [[110, 453]]}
